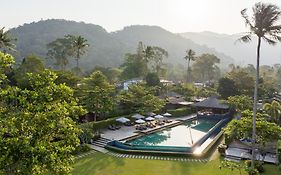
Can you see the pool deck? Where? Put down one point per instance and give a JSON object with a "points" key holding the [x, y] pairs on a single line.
{"points": [[130, 131]]}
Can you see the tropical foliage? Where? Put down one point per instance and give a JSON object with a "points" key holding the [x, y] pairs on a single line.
{"points": [[6, 40], [190, 56], [141, 100], [240, 102], [274, 110], [205, 67], [96, 94], [227, 87], [241, 129], [263, 25], [37, 128]]}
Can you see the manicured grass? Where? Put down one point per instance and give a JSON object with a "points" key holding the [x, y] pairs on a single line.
{"points": [[102, 164]]}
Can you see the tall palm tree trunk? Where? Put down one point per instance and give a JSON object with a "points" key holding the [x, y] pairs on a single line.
{"points": [[77, 59], [188, 71], [255, 104]]}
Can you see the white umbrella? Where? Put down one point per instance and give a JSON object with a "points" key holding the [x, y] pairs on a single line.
{"points": [[158, 117], [138, 116], [149, 118], [151, 114], [140, 121], [167, 114], [122, 120]]}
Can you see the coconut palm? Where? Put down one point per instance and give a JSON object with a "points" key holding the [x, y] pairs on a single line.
{"points": [[263, 26], [6, 41], [190, 56], [79, 45], [274, 110]]}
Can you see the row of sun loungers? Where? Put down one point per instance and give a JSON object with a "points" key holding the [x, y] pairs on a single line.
{"points": [[152, 124], [113, 127]]}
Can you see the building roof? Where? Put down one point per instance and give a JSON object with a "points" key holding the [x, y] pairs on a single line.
{"points": [[211, 102]]}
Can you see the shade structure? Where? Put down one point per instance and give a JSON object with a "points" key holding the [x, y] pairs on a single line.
{"points": [[122, 120], [138, 116], [158, 117], [149, 118], [167, 114], [211, 102], [140, 121]]}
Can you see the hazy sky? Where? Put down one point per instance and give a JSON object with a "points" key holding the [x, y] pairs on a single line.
{"points": [[222, 16]]}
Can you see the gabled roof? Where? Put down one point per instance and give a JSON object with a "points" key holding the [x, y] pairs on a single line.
{"points": [[211, 102]]}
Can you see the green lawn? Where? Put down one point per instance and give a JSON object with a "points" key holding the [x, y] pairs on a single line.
{"points": [[102, 164]]}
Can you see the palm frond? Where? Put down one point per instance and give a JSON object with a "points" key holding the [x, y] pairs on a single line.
{"points": [[247, 20], [245, 38], [275, 37], [269, 41]]}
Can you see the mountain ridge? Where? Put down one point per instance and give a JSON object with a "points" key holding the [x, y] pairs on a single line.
{"points": [[106, 48], [243, 53]]}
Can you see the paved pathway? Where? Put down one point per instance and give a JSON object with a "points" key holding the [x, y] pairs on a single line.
{"points": [[181, 159], [148, 157]]}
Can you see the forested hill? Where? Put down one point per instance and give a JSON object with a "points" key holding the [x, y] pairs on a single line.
{"points": [[106, 49], [243, 53]]}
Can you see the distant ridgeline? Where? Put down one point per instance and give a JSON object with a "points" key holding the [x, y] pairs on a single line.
{"points": [[106, 49]]}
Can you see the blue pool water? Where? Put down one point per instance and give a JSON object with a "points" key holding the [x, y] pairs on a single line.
{"points": [[184, 135]]}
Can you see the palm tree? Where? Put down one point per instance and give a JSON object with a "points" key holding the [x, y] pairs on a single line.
{"points": [[274, 110], [60, 50], [190, 56], [79, 47], [263, 25], [6, 40]]}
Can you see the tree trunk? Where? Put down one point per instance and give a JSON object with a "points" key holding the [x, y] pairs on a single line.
{"points": [[255, 104], [188, 71], [77, 59]]}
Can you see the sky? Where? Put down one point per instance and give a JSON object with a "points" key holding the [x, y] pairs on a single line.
{"points": [[221, 16]]}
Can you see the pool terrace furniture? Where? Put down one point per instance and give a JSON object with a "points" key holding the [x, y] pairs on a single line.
{"points": [[113, 127], [150, 125], [158, 117], [140, 121], [150, 114], [122, 120], [149, 119], [141, 127], [129, 123], [167, 114], [138, 116]]}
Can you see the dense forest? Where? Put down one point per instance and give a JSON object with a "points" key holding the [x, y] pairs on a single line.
{"points": [[106, 49]]}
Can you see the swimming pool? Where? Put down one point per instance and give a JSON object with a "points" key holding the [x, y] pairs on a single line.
{"points": [[184, 135], [192, 137]]}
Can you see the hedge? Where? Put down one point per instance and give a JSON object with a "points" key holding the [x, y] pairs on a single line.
{"points": [[180, 112], [98, 125]]}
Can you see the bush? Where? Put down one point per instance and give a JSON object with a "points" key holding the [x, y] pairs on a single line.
{"points": [[82, 149], [180, 112], [252, 171], [222, 149], [98, 125], [258, 165]]}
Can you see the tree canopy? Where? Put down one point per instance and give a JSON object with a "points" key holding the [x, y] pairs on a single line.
{"points": [[37, 127], [227, 88], [96, 94], [205, 67], [138, 99]]}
